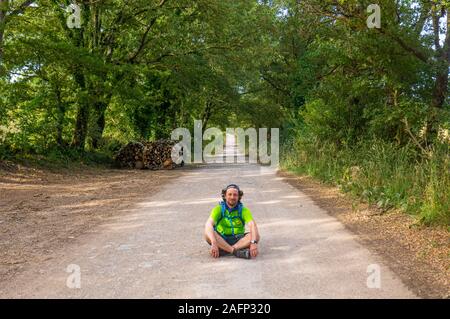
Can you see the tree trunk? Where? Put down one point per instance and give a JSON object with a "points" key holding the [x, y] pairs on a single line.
{"points": [[80, 133], [437, 103], [81, 124], [60, 117], [441, 83], [97, 133], [206, 115], [3, 9], [82, 118]]}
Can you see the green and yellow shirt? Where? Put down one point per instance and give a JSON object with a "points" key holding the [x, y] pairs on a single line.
{"points": [[225, 225]]}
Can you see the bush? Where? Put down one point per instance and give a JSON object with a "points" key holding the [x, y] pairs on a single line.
{"points": [[381, 173]]}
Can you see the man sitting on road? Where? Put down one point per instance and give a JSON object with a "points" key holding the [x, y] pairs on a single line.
{"points": [[225, 228]]}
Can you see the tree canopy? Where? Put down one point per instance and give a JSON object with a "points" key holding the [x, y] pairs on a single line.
{"points": [[139, 69]]}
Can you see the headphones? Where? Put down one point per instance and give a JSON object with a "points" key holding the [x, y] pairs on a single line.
{"points": [[224, 191]]}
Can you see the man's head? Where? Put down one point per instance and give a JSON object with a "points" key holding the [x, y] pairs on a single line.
{"points": [[232, 195]]}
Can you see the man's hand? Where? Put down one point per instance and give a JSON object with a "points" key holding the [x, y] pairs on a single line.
{"points": [[253, 250], [214, 250]]}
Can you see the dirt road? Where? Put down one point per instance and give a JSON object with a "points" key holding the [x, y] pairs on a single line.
{"points": [[156, 250]]}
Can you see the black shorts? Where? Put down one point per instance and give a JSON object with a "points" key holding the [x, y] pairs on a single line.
{"points": [[233, 239]]}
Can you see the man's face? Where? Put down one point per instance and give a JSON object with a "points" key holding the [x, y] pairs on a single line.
{"points": [[232, 197]]}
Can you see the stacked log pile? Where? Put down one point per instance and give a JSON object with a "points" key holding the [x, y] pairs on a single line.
{"points": [[130, 155], [149, 155]]}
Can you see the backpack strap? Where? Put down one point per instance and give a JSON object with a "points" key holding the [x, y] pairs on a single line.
{"points": [[222, 214], [229, 218], [240, 207]]}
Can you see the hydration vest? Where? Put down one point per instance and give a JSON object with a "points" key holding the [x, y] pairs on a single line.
{"points": [[223, 205]]}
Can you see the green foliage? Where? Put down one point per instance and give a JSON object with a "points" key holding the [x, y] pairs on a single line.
{"points": [[380, 173], [343, 95], [134, 70], [371, 100]]}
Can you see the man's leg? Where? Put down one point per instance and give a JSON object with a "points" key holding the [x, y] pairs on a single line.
{"points": [[221, 243], [244, 242]]}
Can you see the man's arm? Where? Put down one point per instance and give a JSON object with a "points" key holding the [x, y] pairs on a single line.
{"points": [[253, 230], [254, 236], [209, 231]]}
